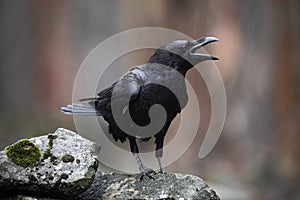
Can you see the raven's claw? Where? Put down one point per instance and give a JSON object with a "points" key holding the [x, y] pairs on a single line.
{"points": [[147, 172]]}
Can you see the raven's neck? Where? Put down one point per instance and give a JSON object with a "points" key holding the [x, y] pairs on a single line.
{"points": [[172, 60]]}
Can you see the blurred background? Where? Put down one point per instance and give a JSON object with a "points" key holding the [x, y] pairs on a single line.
{"points": [[257, 157]]}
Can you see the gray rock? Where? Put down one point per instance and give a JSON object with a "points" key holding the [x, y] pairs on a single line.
{"points": [[67, 167], [114, 186], [67, 170]]}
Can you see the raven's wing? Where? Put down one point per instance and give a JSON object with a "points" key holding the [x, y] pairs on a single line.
{"points": [[127, 89], [118, 94]]}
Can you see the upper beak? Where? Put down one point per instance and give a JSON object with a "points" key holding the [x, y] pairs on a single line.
{"points": [[198, 57]]}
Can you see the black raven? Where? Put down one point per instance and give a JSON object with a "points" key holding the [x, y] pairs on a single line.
{"points": [[159, 81]]}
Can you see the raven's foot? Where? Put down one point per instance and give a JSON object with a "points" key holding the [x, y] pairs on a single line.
{"points": [[147, 172], [162, 171], [144, 171]]}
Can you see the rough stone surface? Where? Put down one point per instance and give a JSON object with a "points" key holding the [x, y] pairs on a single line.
{"points": [[67, 170], [114, 186], [51, 176]]}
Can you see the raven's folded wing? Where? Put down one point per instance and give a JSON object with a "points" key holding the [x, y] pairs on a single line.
{"points": [[119, 94]]}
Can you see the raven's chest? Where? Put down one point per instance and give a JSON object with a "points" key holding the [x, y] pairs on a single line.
{"points": [[171, 98]]}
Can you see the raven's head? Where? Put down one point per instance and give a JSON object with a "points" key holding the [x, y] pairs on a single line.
{"points": [[181, 54]]}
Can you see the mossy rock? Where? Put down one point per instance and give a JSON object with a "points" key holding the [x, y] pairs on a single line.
{"points": [[23, 153]]}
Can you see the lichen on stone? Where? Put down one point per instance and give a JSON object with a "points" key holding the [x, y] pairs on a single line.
{"points": [[23, 153]]}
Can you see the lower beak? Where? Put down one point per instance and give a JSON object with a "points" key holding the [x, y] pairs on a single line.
{"points": [[198, 57]]}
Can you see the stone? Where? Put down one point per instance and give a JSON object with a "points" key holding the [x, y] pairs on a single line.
{"points": [[56, 173], [115, 186], [68, 169]]}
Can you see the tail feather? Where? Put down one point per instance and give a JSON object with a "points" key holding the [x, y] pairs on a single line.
{"points": [[80, 109], [88, 99]]}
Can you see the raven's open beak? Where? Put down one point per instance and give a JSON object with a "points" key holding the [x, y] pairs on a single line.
{"points": [[198, 57]]}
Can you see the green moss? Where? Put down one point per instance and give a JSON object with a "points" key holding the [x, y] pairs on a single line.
{"points": [[48, 153], [50, 143], [68, 158], [51, 138], [23, 153]]}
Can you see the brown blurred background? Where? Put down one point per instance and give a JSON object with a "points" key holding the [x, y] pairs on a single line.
{"points": [[257, 157]]}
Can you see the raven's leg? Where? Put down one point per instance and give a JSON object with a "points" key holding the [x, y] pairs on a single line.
{"points": [[135, 150], [159, 151]]}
